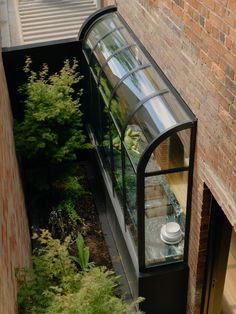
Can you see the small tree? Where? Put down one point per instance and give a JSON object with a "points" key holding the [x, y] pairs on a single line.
{"points": [[51, 130]]}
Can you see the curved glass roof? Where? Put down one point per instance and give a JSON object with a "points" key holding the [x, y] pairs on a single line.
{"points": [[136, 92]]}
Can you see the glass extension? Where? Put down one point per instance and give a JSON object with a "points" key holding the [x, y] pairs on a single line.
{"points": [[145, 135]]}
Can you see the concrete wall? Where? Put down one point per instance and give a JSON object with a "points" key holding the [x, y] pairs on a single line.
{"points": [[15, 248], [194, 42]]}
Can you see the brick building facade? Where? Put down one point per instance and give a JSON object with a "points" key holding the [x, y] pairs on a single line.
{"points": [[15, 248], [194, 43]]}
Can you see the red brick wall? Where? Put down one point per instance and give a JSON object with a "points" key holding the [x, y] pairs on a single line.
{"points": [[14, 235], [194, 42]]}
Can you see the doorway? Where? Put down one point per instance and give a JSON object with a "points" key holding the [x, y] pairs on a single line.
{"points": [[228, 305], [220, 279]]}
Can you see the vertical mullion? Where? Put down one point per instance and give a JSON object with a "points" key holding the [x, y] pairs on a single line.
{"points": [[124, 199]]}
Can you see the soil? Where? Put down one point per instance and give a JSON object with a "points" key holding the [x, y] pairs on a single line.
{"points": [[41, 204], [94, 237]]}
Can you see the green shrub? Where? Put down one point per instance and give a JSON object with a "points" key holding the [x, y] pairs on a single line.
{"points": [[54, 286], [72, 187], [95, 296], [53, 272], [51, 130]]}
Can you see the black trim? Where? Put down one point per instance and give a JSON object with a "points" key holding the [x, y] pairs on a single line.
{"points": [[165, 171], [176, 128], [130, 158], [190, 187], [93, 18], [141, 190]]}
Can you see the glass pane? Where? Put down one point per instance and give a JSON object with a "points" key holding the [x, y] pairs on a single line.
{"points": [[123, 62], [130, 188], [152, 119], [105, 132], [180, 113], [95, 67], [228, 305], [165, 212], [116, 146], [136, 87], [111, 43], [134, 142], [101, 27], [131, 91], [105, 88], [144, 126], [171, 153], [95, 113]]}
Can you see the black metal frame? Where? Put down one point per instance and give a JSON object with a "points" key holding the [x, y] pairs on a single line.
{"points": [[93, 18], [140, 171], [141, 175]]}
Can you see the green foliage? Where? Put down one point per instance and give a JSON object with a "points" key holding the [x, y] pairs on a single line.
{"points": [[64, 218], [83, 254], [62, 225], [72, 187], [52, 273], [67, 206], [52, 127], [96, 296], [54, 285]]}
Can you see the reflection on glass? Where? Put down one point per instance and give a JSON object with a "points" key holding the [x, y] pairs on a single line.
{"points": [[103, 26], [135, 88], [130, 92], [228, 305], [120, 64], [116, 146], [180, 113], [130, 188], [171, 153], [106, 89], [123, 62], [116, 40], [165, 203], [96, 112], [106, 131], [132, 141]]}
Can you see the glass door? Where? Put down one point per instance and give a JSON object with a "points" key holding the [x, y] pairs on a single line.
{"points": [[218, 292], [228, 305]]}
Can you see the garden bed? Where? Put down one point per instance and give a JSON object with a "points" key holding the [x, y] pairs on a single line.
{"points": [[41, 204]]}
